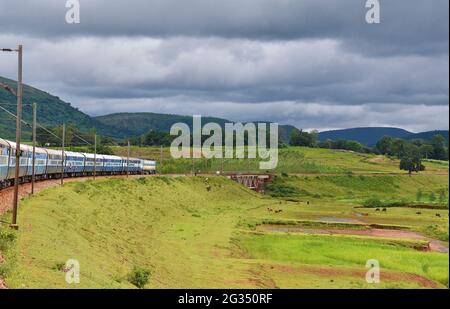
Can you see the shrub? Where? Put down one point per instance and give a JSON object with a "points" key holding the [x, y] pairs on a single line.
{"points": [[419, 195], [59, 266], [373, 203], [139, 277], [432, 197], [6, 239]]}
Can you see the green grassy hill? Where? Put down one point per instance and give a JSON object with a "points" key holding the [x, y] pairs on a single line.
{"points": [[293, 160], [51, 112], [136, 124], [210, 233]]}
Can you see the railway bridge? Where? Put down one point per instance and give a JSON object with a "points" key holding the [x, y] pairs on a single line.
{"points": [[252, 181]]}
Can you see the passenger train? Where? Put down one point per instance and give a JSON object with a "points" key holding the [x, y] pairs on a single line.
{"points": [[48, 164]]}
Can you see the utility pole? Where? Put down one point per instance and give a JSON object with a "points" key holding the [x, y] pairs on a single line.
{"points": [[128, 159], [63, 153], [221, 162], [33, 175], [95, 155], [161, 156], [18, 137]]}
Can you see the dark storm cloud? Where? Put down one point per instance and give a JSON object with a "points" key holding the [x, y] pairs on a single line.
{"points": [[315, 64], [414, 26]]}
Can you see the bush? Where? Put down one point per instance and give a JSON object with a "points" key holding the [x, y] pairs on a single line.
{"points": [[6, 239], [373, 203], [139, 277]]}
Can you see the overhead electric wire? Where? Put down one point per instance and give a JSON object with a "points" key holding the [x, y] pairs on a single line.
{"points": [[26, 123], [39, 125]]}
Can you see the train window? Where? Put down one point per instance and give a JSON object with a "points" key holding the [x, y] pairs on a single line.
{"points": [[3, 160]]}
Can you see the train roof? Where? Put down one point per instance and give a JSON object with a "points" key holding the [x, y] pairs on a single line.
{"points": [[74, 154], [54, 152], [92, 156], [30, 148], [109, 157], [4, 142], [23, 147]]}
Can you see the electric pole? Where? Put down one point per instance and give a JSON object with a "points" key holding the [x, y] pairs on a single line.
{"points": [[18, 137], [63, 153], [95, 155], [33, 175], [128, 159], [161, 156]]}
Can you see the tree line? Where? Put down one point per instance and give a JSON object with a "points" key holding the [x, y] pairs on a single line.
{"points": [[410, 152]]}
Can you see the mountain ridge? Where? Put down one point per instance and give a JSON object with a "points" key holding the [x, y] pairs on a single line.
{"points": [[52, 112]]}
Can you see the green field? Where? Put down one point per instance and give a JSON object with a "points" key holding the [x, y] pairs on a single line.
{"points": [[291, 160], [209, 232]]}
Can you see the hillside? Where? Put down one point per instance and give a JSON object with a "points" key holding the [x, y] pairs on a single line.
{"points": [[428, 135], [367, 136], [213, 233], [135, 124], [51, 112]]}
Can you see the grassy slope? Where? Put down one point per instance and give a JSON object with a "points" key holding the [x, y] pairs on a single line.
{"points": [[191, 237], [174, 227], [291, 160]]}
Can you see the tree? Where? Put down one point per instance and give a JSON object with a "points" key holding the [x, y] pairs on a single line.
{"points": [[426, 150], [411, 160], [302, 138], [384, 145], [157, 138], [401, 148], [438, 142]]}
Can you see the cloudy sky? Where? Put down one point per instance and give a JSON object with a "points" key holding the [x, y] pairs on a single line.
{"points": [[313, 64]]}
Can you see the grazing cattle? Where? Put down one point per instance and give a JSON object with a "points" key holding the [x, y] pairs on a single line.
{"points": [[438, 215], [384, 209], [418, 213], [378, 209]]}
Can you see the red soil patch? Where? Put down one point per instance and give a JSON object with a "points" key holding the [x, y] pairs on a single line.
{"points": [[330, 272], [2, 282], [433, 244]]}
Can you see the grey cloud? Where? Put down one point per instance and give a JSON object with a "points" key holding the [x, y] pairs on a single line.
{"points": [[315, 64], [414, 26], [319, 116], [231, 70]]}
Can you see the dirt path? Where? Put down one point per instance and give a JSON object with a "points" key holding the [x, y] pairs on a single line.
{"points": [[433, 244]]}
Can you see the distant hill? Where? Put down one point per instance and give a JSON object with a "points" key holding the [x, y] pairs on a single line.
{"points": [[428, 135], [135, 124], [366, 136], [51, 112]]}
